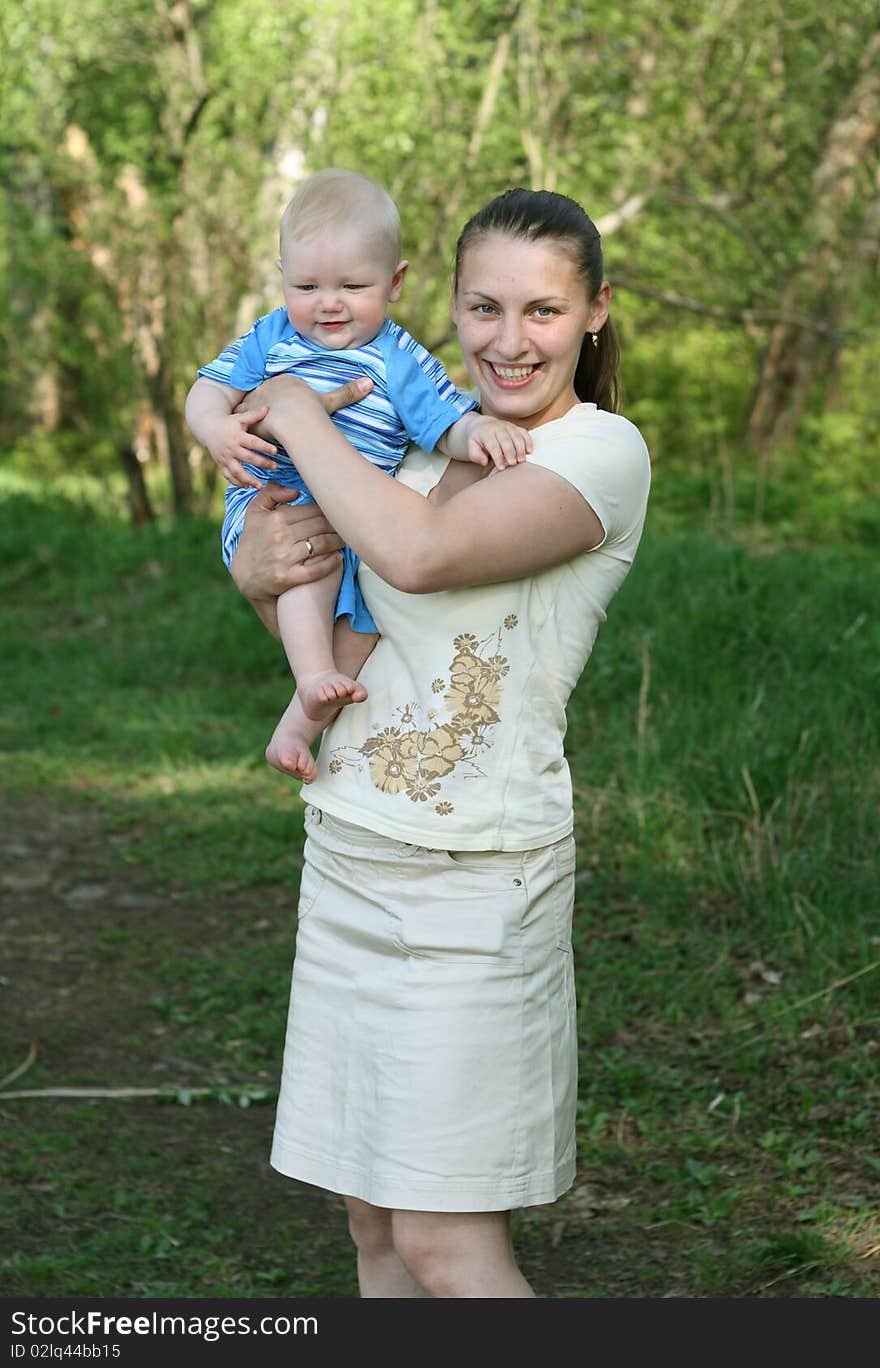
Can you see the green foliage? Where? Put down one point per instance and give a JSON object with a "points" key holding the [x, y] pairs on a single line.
{"points": [[684, 390], [149, 149]]}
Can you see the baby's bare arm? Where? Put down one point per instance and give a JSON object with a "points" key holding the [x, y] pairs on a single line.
{"points": [[479, 438], [214, 419]]}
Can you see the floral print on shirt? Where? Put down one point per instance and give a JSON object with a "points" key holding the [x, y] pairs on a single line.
{"points": [[405, 757]]}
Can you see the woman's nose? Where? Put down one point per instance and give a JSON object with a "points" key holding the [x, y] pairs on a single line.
{"points": [[511, 340]]}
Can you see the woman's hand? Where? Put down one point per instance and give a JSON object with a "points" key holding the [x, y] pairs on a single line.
{"points": [[285, 392], [282, 544]]}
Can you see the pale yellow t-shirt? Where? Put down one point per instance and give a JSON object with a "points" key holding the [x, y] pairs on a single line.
{"points": [[460, 743]]}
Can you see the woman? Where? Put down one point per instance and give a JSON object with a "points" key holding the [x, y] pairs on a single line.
{"points": [[431, 1054]]}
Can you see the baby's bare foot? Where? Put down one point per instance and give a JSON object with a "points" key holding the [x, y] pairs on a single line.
{"points": [[322, 695], [291, 756], [289, 749]]}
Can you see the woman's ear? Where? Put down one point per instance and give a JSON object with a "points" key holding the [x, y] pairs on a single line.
{"points": [[599, 308]]}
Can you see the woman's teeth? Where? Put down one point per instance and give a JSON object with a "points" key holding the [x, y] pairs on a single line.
{"points": [[512, 372]]}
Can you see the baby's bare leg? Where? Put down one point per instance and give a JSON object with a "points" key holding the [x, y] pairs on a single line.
{"points": [[305, 621], [351, 649], [328, 687], [290, 747]]}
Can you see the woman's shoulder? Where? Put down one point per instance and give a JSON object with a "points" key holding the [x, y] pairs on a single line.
{"points": [[593, 437], [589, 421], [604, 456]]}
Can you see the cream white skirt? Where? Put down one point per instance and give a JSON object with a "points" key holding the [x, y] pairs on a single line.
{"points": [[430, 1062]]}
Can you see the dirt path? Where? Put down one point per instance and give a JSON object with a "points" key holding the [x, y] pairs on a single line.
{"points": [[65, 890]]}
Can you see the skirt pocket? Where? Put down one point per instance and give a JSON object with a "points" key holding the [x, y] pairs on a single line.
{"points": [[461, 912]]}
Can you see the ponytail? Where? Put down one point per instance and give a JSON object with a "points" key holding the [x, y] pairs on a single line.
{"points": [[597, 378]]}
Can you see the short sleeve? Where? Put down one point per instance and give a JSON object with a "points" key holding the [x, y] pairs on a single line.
{"points": [[424, 398], [242, 364], [605, 458]]}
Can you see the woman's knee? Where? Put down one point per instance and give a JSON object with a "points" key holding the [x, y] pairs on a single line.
{"points": [[438, 1248], [368, 1225]]}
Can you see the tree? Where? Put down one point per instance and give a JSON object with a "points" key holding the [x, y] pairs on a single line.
{"points": [[843, 243], [725, 151]]}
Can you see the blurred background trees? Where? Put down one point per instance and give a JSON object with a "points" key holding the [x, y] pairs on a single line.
{"points": [[727, 151]]}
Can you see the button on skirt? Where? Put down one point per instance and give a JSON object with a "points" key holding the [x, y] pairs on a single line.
{"points": [[430, 1060]]}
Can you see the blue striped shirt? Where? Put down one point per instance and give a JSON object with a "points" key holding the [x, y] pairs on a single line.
{"points": [[412, 398]]}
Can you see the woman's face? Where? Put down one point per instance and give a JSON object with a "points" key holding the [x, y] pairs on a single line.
{"points": [[521, 311]]}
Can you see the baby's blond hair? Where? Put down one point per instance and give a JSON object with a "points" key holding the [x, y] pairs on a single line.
{"points": [[337, 197]]}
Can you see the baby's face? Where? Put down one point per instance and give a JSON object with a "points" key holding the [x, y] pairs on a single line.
{"points": [[337, 287]]}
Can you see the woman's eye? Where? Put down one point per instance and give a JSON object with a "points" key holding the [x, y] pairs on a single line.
{"points": [[483, 309], [545, 311]]}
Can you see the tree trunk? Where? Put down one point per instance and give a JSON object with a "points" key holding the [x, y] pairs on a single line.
{"points": [[138, 498], [801, 354], [797, 358], [168, 413]]}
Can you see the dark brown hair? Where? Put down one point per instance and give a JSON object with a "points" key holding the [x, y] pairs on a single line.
{"points": [[543, 215]]}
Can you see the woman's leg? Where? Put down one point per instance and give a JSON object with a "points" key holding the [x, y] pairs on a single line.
{"points": [[380, 1270], [459, 1254]]}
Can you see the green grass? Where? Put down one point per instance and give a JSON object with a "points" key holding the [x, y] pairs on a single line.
{"points": [[724, 751], [137, 679]]}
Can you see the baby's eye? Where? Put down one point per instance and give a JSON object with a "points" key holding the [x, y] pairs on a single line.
{"points": [[305, 288], [350, 285]]}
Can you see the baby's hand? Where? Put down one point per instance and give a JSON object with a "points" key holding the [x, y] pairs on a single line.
{"points": [[504, 444], [230, 442], [480, 439]]}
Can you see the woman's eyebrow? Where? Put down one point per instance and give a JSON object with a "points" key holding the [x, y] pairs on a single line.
{"points": [[530, 303]]}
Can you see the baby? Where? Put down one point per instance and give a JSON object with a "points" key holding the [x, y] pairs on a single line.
{"points": [[340, 266]]}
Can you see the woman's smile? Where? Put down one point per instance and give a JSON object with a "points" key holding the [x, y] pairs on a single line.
{"points": [[512, 377]]}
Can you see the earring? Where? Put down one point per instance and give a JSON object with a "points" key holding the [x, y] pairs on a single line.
{"points": [[595, 339]]}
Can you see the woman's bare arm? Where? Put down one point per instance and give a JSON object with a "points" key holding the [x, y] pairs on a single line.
{"points": [[458, 476], [514, 523]]}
